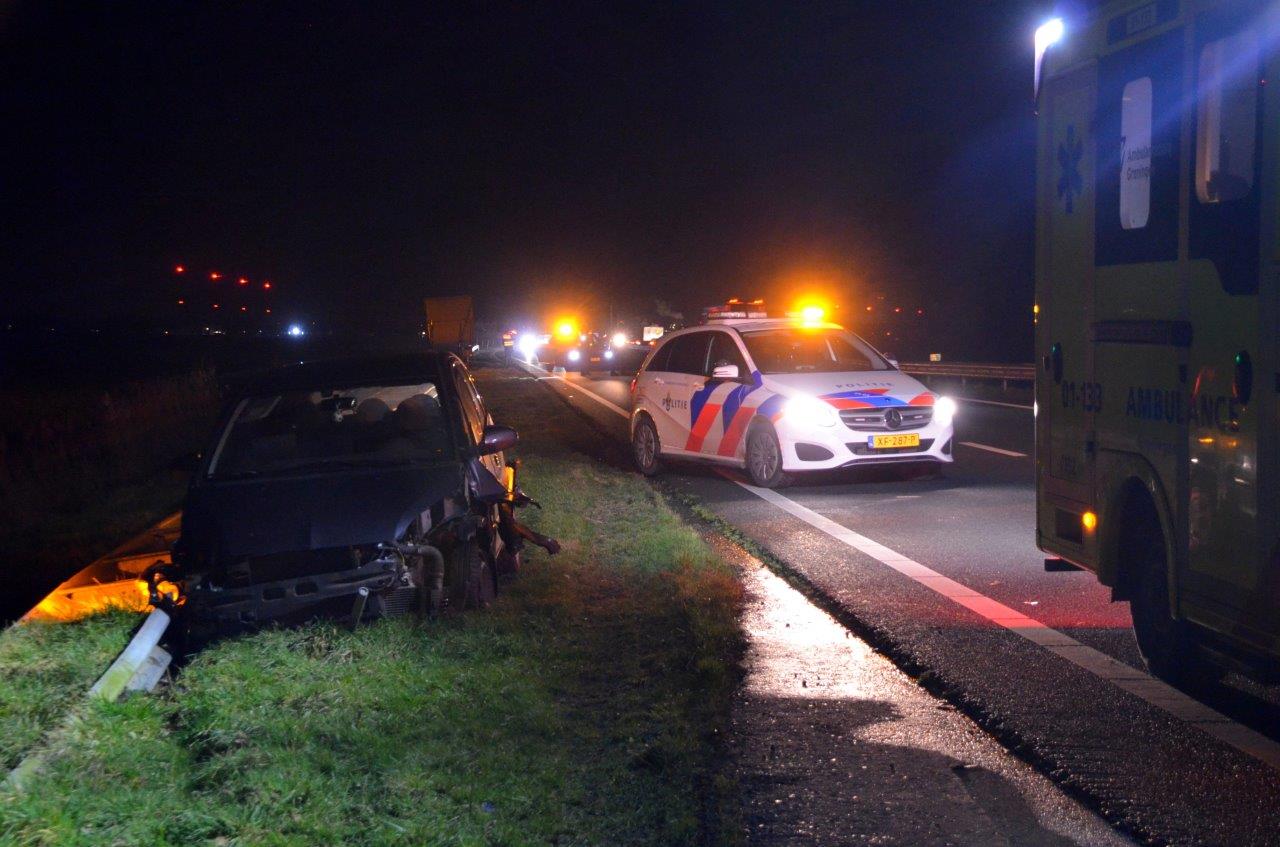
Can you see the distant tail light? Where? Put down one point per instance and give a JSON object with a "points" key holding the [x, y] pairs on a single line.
{"points": [[633, 384]]}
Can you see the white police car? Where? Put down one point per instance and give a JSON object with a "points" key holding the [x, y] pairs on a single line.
{"points": [[778, 396]]}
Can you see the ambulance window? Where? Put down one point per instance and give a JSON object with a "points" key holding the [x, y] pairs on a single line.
{"points": [[1226, 118], [1135, 154]]}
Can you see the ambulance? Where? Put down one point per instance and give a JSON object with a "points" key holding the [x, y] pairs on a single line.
{"points": [[778, 396], [1156, 313]]}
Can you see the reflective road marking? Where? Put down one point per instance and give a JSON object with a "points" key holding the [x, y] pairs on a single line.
{"points": [[994, 403], [990, 449], [594, 396], [1138, 683]]}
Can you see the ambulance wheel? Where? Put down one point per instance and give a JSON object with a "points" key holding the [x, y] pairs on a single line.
{"points": [[645, 446], [1167, 645], [764, 458]]}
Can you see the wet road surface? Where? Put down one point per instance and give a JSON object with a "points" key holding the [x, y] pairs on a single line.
{"points": [[1074, 700]]}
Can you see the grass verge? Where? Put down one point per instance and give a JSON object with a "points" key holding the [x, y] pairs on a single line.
{"points": [[45, 670], [585, 707]]}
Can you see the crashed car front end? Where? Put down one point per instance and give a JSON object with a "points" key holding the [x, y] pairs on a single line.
{"points": [[355, 502]]}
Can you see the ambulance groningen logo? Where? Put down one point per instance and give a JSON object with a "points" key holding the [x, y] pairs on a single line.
{"points": [[1070, 183]]}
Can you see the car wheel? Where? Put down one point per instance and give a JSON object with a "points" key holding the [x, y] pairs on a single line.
{"points": [[471, 582], [1167, 645], [764, 458], [645, 446]]}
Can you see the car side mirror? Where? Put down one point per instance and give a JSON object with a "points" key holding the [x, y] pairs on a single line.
{"points": [[497, 438], [725, 372]]}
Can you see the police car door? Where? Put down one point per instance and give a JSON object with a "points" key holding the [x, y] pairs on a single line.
{"points": [[685, 375]]}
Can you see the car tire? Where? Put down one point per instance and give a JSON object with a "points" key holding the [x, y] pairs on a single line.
{"points": [[646, 448], [1167, 645], [471, 582], [764, 458]]}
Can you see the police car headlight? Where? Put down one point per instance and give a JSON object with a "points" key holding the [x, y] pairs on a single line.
{"points": [[809, 410], [574, 355], [608, 354], [944, 411]]}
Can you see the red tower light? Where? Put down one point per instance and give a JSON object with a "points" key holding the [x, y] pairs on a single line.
{"points": [[215, 276], [179, 269], [182, 302], [215, 305], [266, 286], [243, 281]]}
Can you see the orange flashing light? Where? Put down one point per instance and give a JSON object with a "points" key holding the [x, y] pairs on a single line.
{"points": [[1089, 521]]}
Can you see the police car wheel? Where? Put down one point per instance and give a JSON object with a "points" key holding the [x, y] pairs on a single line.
{"points": [[645, 447], [764, 458], [1167, 645]]}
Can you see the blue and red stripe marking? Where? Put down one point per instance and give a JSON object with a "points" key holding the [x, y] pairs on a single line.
{"points": [[734, 415]]}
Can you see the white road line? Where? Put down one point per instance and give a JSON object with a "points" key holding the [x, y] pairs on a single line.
{"points": [[1134, 681], [990, 449], [594, 396], [994, 403]]}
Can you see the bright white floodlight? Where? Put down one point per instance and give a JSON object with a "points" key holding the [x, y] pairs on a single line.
{"points": [[1049, 33], [296, 331]]}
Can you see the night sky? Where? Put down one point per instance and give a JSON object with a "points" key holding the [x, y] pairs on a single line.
{"points": [[541, 156]]}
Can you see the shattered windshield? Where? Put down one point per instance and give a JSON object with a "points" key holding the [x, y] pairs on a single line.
{"points": [[372, 426]]}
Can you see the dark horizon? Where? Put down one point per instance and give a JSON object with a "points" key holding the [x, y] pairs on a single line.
{"points": [[541, 159]]}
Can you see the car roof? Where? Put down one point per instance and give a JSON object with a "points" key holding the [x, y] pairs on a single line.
{"points": [[753, 324], [404, 368]]}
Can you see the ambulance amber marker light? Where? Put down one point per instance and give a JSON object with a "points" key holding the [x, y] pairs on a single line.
{"points": [[1089, 520]]}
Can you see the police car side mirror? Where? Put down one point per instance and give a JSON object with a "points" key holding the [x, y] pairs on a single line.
{"points": [[725, 372]]}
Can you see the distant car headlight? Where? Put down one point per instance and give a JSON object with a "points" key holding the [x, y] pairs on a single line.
{"points": [[528, 345], [574, 356], [608, 354], [809, 410], [944, 411]]}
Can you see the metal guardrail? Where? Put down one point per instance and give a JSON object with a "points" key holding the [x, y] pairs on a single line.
{"points": [[971, 370]]}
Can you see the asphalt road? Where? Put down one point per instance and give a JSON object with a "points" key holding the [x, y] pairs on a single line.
{"points": [[943, 575]]}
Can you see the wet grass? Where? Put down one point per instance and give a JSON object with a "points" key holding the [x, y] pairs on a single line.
{"points": [[45, 670], [585, 707]]}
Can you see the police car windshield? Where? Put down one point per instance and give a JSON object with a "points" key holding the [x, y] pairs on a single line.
{"points": [[786, 351]]}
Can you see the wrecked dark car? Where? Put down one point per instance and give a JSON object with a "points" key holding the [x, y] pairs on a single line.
{"points": [[356, 488]]}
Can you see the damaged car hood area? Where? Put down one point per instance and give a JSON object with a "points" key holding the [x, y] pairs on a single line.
{"points": [[245, 518]]}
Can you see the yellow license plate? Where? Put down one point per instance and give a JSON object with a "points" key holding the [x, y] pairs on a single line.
{"points": [[881, 442]]}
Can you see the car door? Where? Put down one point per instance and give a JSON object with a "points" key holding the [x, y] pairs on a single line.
{"points": [[714, 402], [686, 375], [474, 416]]}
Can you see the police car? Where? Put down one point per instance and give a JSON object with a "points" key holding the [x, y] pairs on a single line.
{"points": [[782, 395]]}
